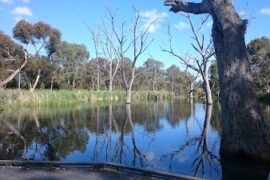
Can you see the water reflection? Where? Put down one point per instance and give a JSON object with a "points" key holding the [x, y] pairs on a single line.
{"points": [[169, 136]]}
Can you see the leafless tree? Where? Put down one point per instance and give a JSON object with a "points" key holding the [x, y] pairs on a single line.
{"points": [[203, 156], [96, 41], [112, 65], [198, 64], [138, 43]]}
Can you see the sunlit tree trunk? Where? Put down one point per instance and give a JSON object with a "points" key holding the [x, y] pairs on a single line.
{"points": [[32, 88], [52, 81], [74, 79], [14, 73], [207, 89], [191, 91], [98, 76], [19, 83]]}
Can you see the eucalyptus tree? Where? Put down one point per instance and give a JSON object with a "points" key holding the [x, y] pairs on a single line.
{"points": [[11, 55], [173, 75], [155, 71], [243, 127], [69, 58], [214, 78], [41, 36], [259, 53]]}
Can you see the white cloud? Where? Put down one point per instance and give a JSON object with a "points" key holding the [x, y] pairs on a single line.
{"points": [[26, 1], [151, 16], [243, 13], [265, 11], [22, 11], [18, 18], [6, 1], [181, 26]]}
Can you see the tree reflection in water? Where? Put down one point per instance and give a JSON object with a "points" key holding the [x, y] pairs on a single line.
{"points": [[203, 156], [169, 136]]}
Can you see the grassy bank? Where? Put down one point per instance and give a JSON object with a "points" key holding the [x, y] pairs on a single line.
{"points": [[25, 98]]}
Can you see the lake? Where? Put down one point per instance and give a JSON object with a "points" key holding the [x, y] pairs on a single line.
{"points": [[173, 137]]}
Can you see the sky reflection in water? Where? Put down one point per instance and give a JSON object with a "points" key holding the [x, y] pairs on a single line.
{"points": [[170, 136]]}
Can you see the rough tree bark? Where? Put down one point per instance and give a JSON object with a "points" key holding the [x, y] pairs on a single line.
{"points": [[243, 128]]}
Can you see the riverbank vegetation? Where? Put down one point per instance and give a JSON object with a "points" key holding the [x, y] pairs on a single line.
{"points": [[68, 67], [24, 98]]}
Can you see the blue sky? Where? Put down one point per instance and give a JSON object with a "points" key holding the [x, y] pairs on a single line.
{"points": [[66, 15]]}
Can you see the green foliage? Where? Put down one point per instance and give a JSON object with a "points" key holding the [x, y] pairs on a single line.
{"points": [[8, 47], [214, 78], [40, 35], [259, 55], [67, 66], [70, 60], [23, 32]]}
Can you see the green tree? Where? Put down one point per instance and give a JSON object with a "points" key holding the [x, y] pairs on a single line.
{"points": [[42, 37], [214, 78], [259, 53], [12, 59], [69, 58], [154, 69]]}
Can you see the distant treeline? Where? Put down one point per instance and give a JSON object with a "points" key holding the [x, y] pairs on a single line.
{"points": [[54, 64]]}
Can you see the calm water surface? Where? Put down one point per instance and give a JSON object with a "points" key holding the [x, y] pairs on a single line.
{"points": [[169, 136]]}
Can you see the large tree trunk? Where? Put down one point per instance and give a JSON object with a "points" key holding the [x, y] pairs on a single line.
{"points": [[243, 128]]}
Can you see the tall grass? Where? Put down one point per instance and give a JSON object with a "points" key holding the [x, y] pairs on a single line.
{"points": [[25, 98], [150, 95]]}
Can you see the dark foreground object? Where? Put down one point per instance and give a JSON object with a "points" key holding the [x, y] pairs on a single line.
{"points": [[13, 170], [22, 173]]}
